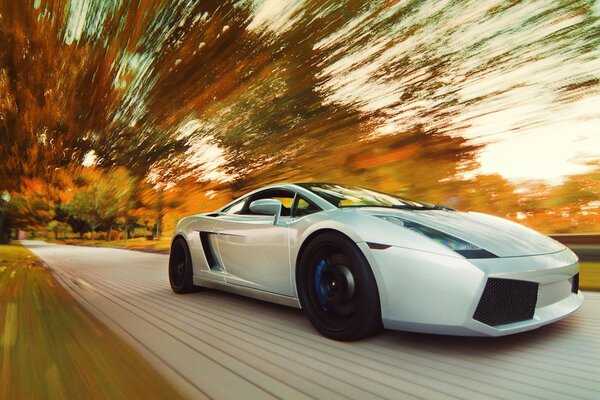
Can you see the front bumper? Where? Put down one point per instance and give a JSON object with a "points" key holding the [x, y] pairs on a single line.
{"points": [[432, 293]]}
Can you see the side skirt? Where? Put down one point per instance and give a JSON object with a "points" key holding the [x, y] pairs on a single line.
{"points": [[248, 292]]}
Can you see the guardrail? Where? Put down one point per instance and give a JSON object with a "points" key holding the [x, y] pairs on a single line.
{"points": [[586, 246]]}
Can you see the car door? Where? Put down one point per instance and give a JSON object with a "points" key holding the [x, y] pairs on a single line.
{"points": [[255, 253]]}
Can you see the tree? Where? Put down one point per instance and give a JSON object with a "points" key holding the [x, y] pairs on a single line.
{"points": [[58, 228], [103, 197], [156, 201], [54, 110], [232, 94], [32, 206], [576, 202]]}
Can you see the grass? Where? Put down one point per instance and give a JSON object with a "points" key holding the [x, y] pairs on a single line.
{"points": [[50, 347], [159, 245], [589, 276]]}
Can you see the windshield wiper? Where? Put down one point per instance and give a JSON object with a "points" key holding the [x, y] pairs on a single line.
{"points": [[407, 207], [445, 208]]}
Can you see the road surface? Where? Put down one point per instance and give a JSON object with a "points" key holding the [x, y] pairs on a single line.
{"points": [[222, 346]]}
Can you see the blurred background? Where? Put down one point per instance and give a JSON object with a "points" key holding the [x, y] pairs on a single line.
{"points": [[119, 117]]}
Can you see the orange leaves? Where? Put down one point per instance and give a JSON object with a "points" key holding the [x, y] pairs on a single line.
{"points": [[370, 160]]}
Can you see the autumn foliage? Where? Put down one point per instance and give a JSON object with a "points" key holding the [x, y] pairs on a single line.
{"points": [[117, 118]]}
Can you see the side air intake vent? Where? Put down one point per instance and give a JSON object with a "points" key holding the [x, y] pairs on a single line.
{"points": [[505, 301], [209, 253], [575, 283]]}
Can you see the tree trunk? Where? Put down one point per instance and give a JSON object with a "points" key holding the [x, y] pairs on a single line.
{"points": [[109, 233], [125, 233], [161, 211], [3, 226], [158, 225]]}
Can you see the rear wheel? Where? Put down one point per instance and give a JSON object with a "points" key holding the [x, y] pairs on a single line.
{"points": [[337, 289], [180, 268]]}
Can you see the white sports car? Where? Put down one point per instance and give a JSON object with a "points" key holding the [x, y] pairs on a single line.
{"points": [[356, 260]]}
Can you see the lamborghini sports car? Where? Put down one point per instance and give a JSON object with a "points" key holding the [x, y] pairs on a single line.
{"points": [[356, 260]]}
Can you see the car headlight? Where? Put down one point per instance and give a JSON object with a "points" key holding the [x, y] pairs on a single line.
{"points": [[462, 247]]}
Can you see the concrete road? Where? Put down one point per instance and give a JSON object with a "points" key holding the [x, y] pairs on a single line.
{"points": [[221, 346]]}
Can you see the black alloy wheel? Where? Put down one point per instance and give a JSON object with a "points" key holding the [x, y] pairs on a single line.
{"points": [[180, 268], [337, 288]]}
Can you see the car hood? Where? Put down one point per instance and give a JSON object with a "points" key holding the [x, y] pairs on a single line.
{"points": [[497, 235]]}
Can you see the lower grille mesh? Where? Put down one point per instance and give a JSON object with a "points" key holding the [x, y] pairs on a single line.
{"points": [[505, 301]]}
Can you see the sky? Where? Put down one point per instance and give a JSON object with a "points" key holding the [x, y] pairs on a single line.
{"points": [[550, 152]]}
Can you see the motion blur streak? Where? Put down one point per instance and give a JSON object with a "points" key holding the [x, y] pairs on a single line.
{"points": [[399, 94]]}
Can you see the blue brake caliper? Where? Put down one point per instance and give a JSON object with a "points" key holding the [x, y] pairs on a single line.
{"points": [[323, 264]]}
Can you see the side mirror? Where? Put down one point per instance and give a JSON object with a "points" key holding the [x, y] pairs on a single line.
{"points": [[267, 207]]}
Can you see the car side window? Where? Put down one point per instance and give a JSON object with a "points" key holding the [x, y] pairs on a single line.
{"points": [[235, 208], [286, 198], [305, 207], [286, 202]]}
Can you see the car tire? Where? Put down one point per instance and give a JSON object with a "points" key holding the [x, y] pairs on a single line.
{"points": [[337, 288], [180, 268]]}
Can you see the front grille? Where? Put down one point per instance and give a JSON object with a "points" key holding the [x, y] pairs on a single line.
{"points": [[505, 301], [575, 283]]}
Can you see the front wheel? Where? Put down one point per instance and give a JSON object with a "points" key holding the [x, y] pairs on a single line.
{"points": [[180, 268], [337, 289]]}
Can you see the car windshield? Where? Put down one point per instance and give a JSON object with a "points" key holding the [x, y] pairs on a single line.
{"points": [[355, 196]]}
